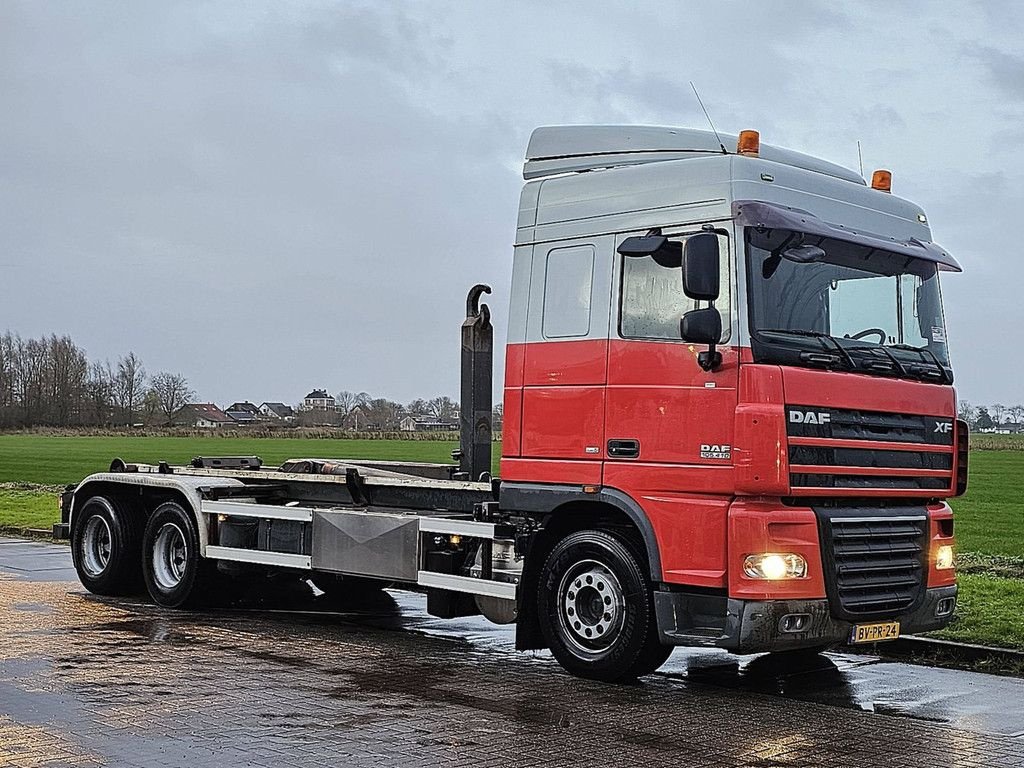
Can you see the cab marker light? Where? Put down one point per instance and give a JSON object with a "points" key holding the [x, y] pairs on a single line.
{"points": [[882, 180]]}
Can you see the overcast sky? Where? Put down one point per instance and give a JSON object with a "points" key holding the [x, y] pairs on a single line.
{"points": [[273, 197]]}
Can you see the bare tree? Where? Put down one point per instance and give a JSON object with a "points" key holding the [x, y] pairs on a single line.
{"points": [[172, 392], [418, 407], [129, 386], [966, 411], [444, 408], [382, 415], [998, 412], [1016, 413], [150, 407], [344, 402], [99, 393]]}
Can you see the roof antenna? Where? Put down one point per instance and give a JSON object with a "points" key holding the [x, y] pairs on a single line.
{"points": [[860, 159], [724, 150]]}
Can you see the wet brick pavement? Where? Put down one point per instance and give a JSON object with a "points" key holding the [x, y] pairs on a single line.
{"points": [[86, 681]]}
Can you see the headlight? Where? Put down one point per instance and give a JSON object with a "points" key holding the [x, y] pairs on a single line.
{"points": [[774, 566], [944, 557]]}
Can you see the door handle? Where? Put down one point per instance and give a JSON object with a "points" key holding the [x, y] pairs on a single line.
{"points": [[624, 449]]}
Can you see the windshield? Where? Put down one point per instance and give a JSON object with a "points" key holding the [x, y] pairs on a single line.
{"points": [[852, 306]]}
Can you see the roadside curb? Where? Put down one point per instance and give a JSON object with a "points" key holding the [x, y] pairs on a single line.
{"points": [[35, 534], [917, 644], [954, 654]]}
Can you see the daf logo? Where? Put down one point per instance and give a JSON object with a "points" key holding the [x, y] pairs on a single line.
{"points": [[810, 417], [943, 427], [715, 451]]}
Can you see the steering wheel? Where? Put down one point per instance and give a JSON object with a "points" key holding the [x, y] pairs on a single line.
{"points": [[869, 332]]}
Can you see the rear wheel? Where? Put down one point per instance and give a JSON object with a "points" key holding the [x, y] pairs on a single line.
{"points": [[174, 572], [105, 547], [596, 609]]}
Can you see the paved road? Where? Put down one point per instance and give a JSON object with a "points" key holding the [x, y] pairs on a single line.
{"points": [[86, 681]]}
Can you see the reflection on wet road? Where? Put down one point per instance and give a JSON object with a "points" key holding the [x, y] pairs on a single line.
{"points": [[295, 680]]}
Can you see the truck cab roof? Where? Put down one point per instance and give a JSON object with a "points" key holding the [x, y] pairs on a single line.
{"points": [[590, 179]]}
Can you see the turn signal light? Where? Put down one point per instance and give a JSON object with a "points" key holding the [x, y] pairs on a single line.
{"points": [[881, 180], [749, 143]]}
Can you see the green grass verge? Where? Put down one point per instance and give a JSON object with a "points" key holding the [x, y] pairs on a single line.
{"points": [[990, 516], [990, 611], [28, 509], [57, 460]]}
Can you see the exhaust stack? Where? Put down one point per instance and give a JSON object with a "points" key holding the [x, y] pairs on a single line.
{"points": [[474, 454]]}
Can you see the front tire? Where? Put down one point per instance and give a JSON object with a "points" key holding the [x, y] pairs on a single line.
{"points": [[596, 608], [174, 572], [106, 542]]}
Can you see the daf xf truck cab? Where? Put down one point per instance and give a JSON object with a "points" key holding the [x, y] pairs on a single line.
{"points": [[729, 421]]}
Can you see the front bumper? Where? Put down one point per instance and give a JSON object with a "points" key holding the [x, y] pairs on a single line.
{"points": [[755, 626]]}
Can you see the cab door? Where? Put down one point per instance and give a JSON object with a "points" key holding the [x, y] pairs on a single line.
{"points": [[669, 423], [565, 364]]}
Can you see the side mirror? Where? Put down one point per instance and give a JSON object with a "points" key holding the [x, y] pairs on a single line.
{"points": [[703, 326], [700, 267], [665, 252]]}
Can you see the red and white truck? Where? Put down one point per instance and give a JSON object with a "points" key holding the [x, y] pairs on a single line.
{"points": [[729, 421]]}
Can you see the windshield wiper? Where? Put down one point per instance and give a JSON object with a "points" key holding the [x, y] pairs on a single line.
{"points": [[897, 365], [935, 359], [824, 338]]}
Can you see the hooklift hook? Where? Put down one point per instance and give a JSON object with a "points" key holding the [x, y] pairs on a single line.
{"points": [[473, 306]]}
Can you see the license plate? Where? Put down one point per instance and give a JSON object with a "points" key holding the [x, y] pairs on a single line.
{"points": [[875, 633]]}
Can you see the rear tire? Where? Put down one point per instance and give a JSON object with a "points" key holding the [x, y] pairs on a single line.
{"points": [[175, 574], [106, 542], [596, 608]]}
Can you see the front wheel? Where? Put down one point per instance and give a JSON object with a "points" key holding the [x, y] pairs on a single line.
{"points": [[174, 572], [596, 608]]}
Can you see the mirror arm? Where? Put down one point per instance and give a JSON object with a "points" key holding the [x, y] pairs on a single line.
{"points": [[710, 358]]}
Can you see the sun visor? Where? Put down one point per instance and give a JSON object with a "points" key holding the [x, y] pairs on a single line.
{"points": [[754, 213]]}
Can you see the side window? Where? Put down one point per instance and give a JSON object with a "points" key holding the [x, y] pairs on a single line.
{"points": [[568, 289], [653, 302]]}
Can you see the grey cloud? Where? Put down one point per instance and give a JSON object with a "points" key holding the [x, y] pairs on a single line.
{"points": [[279, 196], [1006, 70]]}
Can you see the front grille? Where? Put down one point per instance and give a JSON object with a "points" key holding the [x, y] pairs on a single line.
{"points": [[850, 424], [824, 450], [874, 560]]}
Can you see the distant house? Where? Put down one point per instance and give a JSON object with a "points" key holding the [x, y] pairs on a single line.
{"points": [[318, 400], [428, 424], [277, 411], [243, 413], [203, 416]]}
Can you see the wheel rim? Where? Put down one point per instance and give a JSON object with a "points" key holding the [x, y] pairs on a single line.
{"points": [[96, 546], [170, 556], [591, 606]]}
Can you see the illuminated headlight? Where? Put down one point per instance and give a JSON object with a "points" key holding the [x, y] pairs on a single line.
{"points": [[944, 557], [774, 566]]}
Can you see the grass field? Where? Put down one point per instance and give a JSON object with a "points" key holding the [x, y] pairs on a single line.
{"points": [[989, 518], [57, 460]]}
